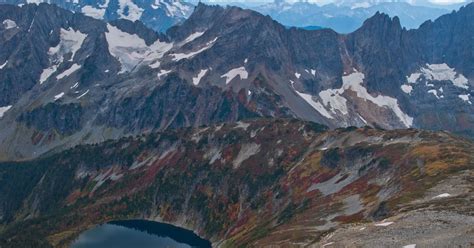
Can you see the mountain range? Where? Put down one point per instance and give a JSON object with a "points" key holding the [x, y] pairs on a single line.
{"points": [[347, 16], [246, 131], [68, 79], [158, 15], [343, 16]]}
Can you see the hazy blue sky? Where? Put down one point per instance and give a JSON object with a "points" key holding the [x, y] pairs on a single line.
{"points": [[447, 1], [329, 1]]}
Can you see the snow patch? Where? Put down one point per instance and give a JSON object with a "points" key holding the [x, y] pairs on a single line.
{"points": [[128, 48], [297, 75], [434, 92], [129, 10], [155, 64], [241, 72], [406, 88], [243, 125], [439, 72], [384, 223], [4, 64], [4, 109], [9, 24], [69, 71], [413, 78], [180, 56], [47, 73], [362, 119], [465, 98], [193, 36], [93, 12], [354, 81], [83, 94], [200, 75], [163, 72], [334, 99], [315, 104], [131, 50], [442, 72], [444, 195], [173, 8], [58, 96], [70, 42]]}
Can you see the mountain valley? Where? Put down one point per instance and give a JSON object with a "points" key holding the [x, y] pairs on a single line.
{"points": [[257, 183]]}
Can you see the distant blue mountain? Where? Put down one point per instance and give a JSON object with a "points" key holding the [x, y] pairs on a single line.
{"points": [[312, 27], [345, 17], [307, 27]]}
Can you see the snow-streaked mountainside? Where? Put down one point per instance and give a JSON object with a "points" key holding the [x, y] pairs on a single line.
{"points": [[347, 16], [68, 79], [234, 126], [156, 14]]}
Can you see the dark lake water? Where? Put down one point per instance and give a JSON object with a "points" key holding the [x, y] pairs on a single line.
{"points": [[138, 233]]}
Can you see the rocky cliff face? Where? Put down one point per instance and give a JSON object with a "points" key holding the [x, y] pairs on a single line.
{"points": [[257, 183], [222, 64]]}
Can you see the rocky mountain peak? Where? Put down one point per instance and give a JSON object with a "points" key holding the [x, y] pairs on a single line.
{"points": [[467, 7], [382, 23], [130, 72], [209, 15], [223, 22]]}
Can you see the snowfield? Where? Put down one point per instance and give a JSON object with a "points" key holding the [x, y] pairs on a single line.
{"points": [[335, 101], [70, 42], [131, 50], [233, 73], [201, 74], [4, 109]]}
